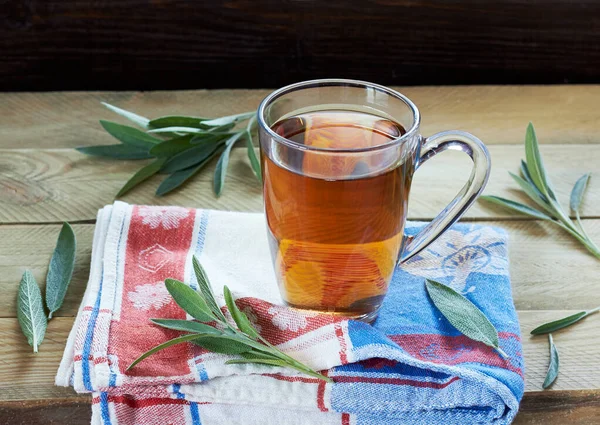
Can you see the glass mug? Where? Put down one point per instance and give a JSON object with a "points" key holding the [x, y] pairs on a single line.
{"points": [[337, 159]]}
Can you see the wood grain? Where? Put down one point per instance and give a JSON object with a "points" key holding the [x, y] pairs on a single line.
{"points": [[168, 44], [559, 408], [28, 376], [496, 114], [548, 408], [535, 250], [48, 185]]}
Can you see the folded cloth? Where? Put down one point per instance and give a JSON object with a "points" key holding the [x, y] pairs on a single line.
{"points": [[410, 367]]}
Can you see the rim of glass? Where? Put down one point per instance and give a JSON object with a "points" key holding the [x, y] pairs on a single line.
{"points": [[328, 82]]}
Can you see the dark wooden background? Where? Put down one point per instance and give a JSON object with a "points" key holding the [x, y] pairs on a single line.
{"points": [[179, 44]]}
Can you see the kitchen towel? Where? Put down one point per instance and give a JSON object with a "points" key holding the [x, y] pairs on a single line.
{"points": [[410, 367]]}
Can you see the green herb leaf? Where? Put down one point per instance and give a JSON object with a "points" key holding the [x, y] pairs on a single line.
{"points": [[255, 354], [206, 290], [535, 165], [190, 157], [210, 137], [141, 175], [186, 326], [30, 311], [532, 192], [174, 341], [137, 119], [463, 314], [222, 344], [221, 169], [129, 135], [178, 178], [527, 176], [115, 151], [262, 361], [562, 323], [552, 373], [189, 300], [239, 317], [176, 121], [173, 146], [61, 267], [516, 206], [253, 159], [578, 192], [231, 119]]}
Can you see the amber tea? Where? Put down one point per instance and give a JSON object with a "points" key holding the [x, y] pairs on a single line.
{"points": [[336, 229]]}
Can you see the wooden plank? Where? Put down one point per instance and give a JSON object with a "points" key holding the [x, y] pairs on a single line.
{"points": [[549, 270], [496, 114], [28, 376], [559, 408], [70, 44], [50, 185], [548, 408]]}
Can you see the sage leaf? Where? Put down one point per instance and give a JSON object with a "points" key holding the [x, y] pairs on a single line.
{"points": [[221, 344], [186, 326], [562, 323], [115, 151], [578, 192], [239, 317], [142, 175], [174, 341], [180, 177], [535, 165], [176, 121], [210, 137], [173, 146], [206, 290], [552, 373], [129, 135], [137, 119], [221, 168], [516, 206], [61, 268], [231, 119], [254, 163], [189, 300], [189, 157], [532, 192], [255, 354], [30, 311], [463, 314], [261, 361]]}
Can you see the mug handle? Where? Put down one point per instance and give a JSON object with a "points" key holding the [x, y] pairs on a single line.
{"points": [[439, 142]]}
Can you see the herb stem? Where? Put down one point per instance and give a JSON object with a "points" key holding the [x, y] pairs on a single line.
{"points": [[502, 353], [595, 310]]}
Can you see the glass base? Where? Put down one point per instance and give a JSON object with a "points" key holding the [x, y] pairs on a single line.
{"points": [[366, 317]]}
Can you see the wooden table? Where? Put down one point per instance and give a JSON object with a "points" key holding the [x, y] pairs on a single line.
{"points": [[44, 182]]}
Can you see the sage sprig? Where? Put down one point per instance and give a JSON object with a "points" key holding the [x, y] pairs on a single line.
{"points": [[535, 183], [463, 315], [30, 305], [242, 339], [181, 146], [552, 373]]}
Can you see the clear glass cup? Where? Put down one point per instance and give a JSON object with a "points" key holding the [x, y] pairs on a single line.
{"points": [[338, 158]]}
